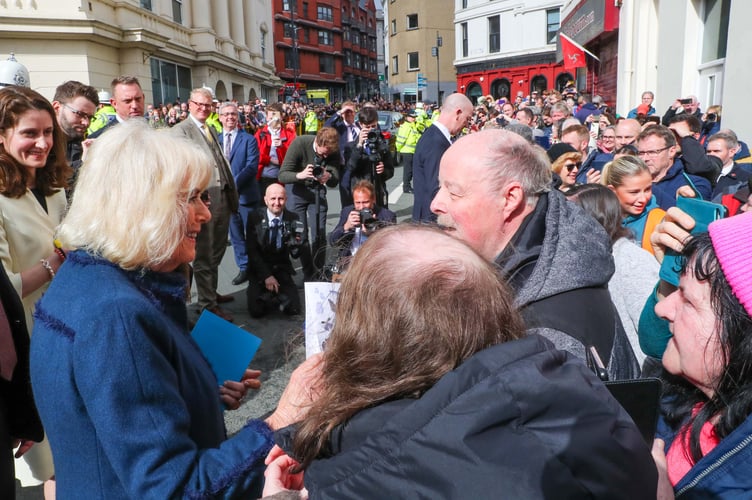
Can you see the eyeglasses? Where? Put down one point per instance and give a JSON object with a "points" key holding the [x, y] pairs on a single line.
{"points": [[80, 114], [653, 152], [572, 166], [202, 105]]}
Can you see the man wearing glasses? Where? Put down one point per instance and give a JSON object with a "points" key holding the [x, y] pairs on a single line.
{"points": [[657, 148], [128, 101], [75, 105], [211, 242]]}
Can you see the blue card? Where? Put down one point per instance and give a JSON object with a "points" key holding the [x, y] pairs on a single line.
{"points": [[228, 348]]}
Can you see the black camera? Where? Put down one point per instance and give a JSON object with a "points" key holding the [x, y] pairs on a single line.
{"points": [[293, 233], [375, 146], [319, 167], [711, 117], [368, 219]]}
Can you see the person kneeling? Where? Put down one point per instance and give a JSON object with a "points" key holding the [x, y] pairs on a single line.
{"points": [[273, 235]]}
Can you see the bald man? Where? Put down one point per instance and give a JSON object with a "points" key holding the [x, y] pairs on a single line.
{"points": [[271, 239], [494, 194], [626, 132], [455, 115]]}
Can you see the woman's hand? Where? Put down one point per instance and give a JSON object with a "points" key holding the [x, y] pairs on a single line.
{"points": [[300, 393], [278, 476], [232, 392], [671, 233], [664, 489], [593, 176]]}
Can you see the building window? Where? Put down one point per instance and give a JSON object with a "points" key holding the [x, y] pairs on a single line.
{"points": [[325, 37], [169, 81], [357, 62], [494, 34], [413, 62], [288, 4], [464, 4], [324, 13], [348, 58], [346, 34], [715, 32], [395, 65], [552, 25], [355, 37], [412, 21], [287, 30], [289, 59], [263, 45], [146, 4], [326, 64], [394, 26], [305, 10], [177, 11], [463, 29], [307, 35]]}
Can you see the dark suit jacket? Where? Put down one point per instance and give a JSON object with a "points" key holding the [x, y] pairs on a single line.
{"points": [[338, 237], [189, 129], [263, 257], [244, 161], [431, 146], [737, 176], [22, 418], [358, 168]]}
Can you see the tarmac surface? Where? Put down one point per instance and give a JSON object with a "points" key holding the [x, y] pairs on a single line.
{"points": [[282, 348]]}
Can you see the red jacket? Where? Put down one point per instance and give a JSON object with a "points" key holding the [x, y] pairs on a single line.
{"points": [[264, 139]]}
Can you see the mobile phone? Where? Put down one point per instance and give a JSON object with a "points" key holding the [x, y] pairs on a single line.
{"points": [[685, 101], [283, 139], [595, 127], [703, 212]]}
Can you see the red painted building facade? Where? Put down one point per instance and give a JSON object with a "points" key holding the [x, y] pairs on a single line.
{"points": [[327, 44]]}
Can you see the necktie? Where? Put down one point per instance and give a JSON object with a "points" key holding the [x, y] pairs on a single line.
{"points": [[274, 236], [7, 347], [353, 133], [207, 133], [228, 144]]}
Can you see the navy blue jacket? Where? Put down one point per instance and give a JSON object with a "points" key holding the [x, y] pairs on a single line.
{"points": [[244, 160], [517, 420], [431, 147], [665, 189]]}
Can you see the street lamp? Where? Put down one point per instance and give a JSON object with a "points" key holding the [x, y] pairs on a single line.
{"points": [[435, 53]]}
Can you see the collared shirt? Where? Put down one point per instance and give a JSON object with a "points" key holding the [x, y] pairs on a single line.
{"points": [[444, 130]]}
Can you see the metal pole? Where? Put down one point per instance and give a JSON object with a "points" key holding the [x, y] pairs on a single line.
{"points": [[438, 79]]}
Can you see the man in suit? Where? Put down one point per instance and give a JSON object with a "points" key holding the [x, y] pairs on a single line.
{"points": [[455, 115], [273, 235], [212, 240], [343, 121], [351, 227], [733, 176], [241, 150]]}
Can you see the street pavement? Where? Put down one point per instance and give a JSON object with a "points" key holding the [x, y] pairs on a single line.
{"points": [[282, 348]]}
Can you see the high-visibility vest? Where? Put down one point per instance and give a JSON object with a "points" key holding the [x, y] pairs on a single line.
{"points": [[407, 138], [311, 122]]}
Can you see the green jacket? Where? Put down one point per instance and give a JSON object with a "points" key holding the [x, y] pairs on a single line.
{"points": [[311, 122], [407, 138]]}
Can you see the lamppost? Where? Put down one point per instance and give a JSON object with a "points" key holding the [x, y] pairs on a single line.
{"points": [[295, 60], [435, 53]]}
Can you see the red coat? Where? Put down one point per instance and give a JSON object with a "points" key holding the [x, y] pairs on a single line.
{"points": [[264, 139]]}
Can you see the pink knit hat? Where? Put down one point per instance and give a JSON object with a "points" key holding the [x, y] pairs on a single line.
{"points": [[731, 239]]}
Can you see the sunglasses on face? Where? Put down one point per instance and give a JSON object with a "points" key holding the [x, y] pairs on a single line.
{"points": [[572, 166]]}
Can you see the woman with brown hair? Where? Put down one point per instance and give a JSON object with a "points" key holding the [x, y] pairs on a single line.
{"points": [[430, 388], [33, 175]]}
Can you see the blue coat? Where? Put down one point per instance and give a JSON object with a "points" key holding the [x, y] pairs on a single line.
{"points": [[244, 160], [665, 189], [130, 405], [431, 147], [722, 473]]}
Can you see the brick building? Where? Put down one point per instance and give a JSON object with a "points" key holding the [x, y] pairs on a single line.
{"points": [[327, 44]]}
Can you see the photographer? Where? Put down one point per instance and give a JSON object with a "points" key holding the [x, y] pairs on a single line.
{"points": [[369, 158], [311, 164], [359, 220], [273, 235]]}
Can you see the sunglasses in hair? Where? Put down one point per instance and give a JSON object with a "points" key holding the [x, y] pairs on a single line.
{"points": [[571, 166]]}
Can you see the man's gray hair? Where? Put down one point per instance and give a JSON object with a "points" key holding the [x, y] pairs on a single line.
{"points": [[510, 157]]}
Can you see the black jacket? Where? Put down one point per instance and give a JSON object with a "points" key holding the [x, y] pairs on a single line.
{"points": [[22, 418], [360, 167], [264, 258], [517, 420]]}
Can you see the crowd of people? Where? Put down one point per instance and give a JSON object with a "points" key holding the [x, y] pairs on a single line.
{"points": [[535, 268]]}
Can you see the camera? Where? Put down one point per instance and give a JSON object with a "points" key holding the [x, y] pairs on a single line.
{"points": [[319, 167], [711, 117], [375, 146], [685, 101], [293, 232], [367, 219]]}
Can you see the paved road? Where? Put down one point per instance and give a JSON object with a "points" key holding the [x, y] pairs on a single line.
{"points": [[282, 337]]}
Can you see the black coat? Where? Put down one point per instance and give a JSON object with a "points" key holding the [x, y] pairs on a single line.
{"points": [[517, 420], [263, 258]]}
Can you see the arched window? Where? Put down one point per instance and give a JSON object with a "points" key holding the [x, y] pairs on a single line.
{"points": [[539, 83], [474, 92], [500, 88], [562, 80]]}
